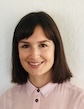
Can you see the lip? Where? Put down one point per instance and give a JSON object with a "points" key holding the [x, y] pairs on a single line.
{"points": [[35, 64]]}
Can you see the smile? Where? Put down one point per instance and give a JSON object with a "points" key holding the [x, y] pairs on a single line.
{"points": [[35, 63]]}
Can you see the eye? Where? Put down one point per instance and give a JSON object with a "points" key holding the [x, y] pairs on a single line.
{"points": [[25, 46], [43, 45]]}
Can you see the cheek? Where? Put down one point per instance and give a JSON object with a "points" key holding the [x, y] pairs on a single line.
{"points": [[22, 55], [51, 52], [49, 56]]}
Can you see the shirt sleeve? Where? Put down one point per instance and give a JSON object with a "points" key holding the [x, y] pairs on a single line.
{"points": [[5, 101], [2, 102], [80, 102]]}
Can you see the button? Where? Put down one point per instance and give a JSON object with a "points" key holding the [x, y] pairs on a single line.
{"points": [[38, 90], [36, 100]]}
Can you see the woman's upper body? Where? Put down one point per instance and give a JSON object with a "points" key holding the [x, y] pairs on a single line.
{"points": [[51, 96], [38, 58]]}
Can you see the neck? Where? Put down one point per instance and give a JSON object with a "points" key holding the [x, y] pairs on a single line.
{"points": [[39, 81]]}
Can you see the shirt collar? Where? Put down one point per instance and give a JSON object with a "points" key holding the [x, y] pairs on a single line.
{"points": [[30, 88], [45, 90]]}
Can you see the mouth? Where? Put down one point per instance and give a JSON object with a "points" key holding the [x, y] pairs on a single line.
{"points": [[35, 64]]}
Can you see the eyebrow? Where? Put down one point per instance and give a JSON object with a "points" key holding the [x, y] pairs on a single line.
{"points": [[22, 41]]}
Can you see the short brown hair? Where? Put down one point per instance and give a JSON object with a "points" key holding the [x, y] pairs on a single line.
{"points": [[24, 29]]}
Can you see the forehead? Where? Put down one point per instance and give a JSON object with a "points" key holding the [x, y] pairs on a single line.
{"points": [[38, 35]]}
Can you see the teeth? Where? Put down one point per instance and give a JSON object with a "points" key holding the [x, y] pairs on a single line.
{"points": [[35, 63]]}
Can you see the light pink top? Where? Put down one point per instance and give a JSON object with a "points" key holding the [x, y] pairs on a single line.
{"points": [[51, 96]]}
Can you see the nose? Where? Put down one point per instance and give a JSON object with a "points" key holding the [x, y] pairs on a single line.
{"points": [[34, 53]]}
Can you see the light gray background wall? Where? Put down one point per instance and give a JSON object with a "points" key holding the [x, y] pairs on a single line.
{"points": [[69, 16]]}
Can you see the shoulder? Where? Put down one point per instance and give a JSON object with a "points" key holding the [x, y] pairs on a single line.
{"points": [[76, 94], [14, 90], [68, 86], [72, 87], [7, 98]]}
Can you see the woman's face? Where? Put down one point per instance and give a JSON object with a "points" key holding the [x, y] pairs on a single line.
{"points": [[36, 54]]}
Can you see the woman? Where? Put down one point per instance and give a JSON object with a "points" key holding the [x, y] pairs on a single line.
{"points": [[39, 68]]}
